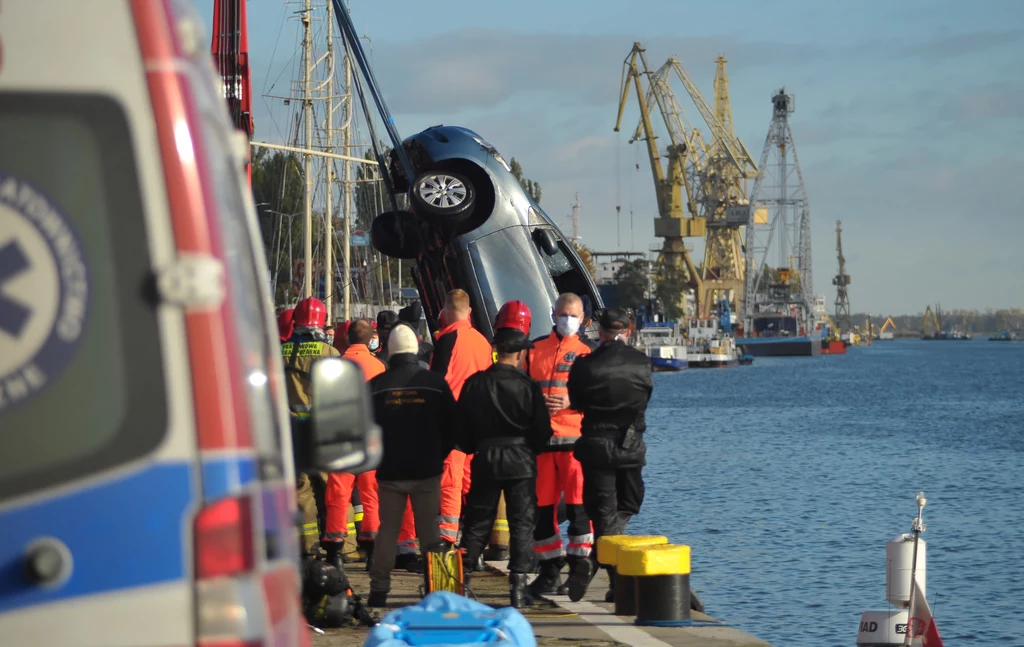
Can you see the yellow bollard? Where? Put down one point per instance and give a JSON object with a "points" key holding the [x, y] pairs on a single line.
{"points": [[608, 550], [661, 580]]}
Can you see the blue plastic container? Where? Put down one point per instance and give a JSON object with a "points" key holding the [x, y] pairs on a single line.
{"points": [[444, 618]]}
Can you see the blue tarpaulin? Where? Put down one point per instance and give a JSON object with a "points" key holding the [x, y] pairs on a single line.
{"points": [[444, 618]]}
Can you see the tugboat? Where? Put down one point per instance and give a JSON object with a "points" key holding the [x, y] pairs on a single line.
{"points": [[660, 340], [832, 342], [709, 341], [1004, 336]]}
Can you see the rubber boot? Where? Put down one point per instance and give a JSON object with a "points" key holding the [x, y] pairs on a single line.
{"points": [[609, 595], [334, 550], [367, 547], [518, 591], [580, 577], [548, 582]]}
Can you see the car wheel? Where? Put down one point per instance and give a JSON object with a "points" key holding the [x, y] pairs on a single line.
{"points": [[443, 198], [394, 234]]}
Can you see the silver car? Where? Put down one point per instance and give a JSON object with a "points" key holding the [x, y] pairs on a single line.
{"points": [[473, 226]]}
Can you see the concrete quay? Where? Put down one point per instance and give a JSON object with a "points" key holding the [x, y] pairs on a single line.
{"points": [[556, 620]]}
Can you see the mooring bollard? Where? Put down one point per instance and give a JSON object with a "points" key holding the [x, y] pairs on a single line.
{"points": [[662, 582], [608, 550]]}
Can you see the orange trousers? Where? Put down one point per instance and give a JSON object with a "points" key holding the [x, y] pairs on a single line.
{"points": [[407, 543], [454, 483], [339, 496]]}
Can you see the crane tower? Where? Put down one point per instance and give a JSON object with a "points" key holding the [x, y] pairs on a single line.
{"points": [[778, 240], [841, 280]]}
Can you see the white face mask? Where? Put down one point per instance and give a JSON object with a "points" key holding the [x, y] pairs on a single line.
{"points": [[567, 326]]}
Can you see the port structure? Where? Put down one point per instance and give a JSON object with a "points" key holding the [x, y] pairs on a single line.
{"points": [[841, 280], [712, 176], [778, 240]]}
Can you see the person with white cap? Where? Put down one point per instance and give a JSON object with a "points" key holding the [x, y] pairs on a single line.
{"points": [[419, 422]]}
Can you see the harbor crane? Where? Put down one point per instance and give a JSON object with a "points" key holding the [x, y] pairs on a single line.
{"points": [[841, 281], [713, 177], [778, 242], [674, 222]]}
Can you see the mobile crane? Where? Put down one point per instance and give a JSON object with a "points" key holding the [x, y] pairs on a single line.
{"points": [[230, 50]]}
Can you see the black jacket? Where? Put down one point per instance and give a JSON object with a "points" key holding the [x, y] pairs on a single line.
{"points": [[416, 411], [591, 343], [611, 387], [505, 423]]}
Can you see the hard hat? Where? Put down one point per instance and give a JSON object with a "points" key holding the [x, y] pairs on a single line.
{"points": [[515, 315], [310, 313], [285, 324]]}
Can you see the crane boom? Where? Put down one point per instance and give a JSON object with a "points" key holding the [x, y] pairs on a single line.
{"points": [[230, 50]]}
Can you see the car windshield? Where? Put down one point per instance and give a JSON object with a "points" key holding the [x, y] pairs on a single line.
{"points": [[507, 268], [81, 379]]}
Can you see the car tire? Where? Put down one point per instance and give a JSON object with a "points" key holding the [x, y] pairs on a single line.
{"points": [[394, 234], [442, 198]]}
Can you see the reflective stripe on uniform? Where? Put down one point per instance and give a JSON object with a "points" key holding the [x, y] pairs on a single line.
{"points": [[305, 349], [500, 524], [563, 440], [310, 529], [550, 548], [334, 536], [581, 545], [553, 384], [449, 528]]}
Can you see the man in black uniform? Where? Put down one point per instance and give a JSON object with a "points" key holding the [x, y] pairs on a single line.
{"points": [[610, 387], [505, 425], [588, 318]]}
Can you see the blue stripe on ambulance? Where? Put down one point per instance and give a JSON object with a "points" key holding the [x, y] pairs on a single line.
{"points": [[226, 475], [123, 533]]}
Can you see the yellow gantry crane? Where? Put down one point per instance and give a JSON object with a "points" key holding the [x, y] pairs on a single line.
{"points": [[674, 223], [713, 177]]}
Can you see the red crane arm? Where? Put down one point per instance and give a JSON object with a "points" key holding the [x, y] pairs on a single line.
{"points": [[230, 50]]}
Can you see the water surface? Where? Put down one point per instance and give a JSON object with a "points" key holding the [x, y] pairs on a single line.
{"points": [[789, 476]]}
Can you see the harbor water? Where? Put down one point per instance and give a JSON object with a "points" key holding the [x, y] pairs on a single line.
{"points": [[788, 477]]}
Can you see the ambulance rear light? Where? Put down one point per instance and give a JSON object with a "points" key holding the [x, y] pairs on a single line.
{"points": [[224, 538]]}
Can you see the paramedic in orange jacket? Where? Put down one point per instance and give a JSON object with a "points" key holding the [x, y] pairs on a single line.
{"points": [[459, 351], [558, 472], [340, 484]]}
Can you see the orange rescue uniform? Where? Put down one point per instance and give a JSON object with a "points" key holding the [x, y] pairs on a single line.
{"points": [[558, 471], [459, 351], [340, 484]]}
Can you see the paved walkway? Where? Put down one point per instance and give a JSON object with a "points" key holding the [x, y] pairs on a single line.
{"points": [[556, 621]]}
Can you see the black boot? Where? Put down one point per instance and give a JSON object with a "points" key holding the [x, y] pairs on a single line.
{"points": [[580, 577], [367, 548], [548, 582], [518, 591], [479, 566], [334, 550], [609, 595]]}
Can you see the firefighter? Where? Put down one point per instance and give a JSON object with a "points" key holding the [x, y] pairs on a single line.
{"points": [[459, 351], [610, 387], [505, 423], [558, 473], [285, 324], [416, 412], [306, 343], [341, 484]]}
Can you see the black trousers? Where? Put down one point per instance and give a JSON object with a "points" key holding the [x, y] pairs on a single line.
{"points": [[481, 509], [611, 496]]}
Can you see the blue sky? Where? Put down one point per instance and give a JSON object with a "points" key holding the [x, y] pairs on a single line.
{"points": [[909, 117]]}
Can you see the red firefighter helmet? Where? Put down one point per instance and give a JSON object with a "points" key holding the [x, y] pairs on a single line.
{"points": [[285, 324], [515, 315], [310, 313]]}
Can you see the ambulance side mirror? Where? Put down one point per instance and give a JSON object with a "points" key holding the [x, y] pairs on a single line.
{"points": [[343, 436]]}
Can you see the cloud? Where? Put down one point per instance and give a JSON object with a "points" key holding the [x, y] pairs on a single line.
{"points": [[484, 67], [948, 46], [993, 101]]}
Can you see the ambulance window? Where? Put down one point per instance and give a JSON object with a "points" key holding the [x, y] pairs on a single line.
{"points": [[81, 375], [249, 297]]}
